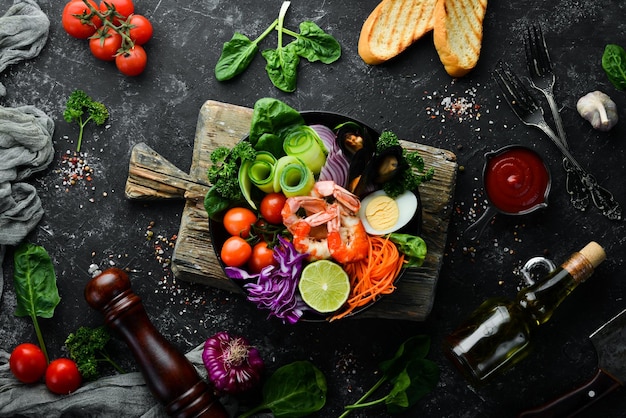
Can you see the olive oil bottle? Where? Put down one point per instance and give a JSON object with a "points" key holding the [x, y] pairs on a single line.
{"points": [[497, 334]]}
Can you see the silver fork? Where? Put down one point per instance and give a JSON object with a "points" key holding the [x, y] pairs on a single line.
{"points": [[542, 78], [530, 113]]}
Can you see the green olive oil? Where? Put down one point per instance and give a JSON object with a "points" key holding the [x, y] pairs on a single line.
{"points": [[497, 334]]}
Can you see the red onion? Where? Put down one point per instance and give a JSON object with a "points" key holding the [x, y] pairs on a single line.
{"points": [[337, 166], [233, 365]]}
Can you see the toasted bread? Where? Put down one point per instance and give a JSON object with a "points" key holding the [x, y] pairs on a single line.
{"points": [[458, 34], [392, 27]]}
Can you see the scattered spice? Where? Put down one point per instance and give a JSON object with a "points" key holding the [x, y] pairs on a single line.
{"points": [[75, 171], [162, 245], [450, 106]]}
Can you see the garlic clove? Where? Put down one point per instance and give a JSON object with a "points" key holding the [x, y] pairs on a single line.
{"points": [[598, 108]]}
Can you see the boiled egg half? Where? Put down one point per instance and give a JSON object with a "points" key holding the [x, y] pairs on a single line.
{"points": [[382, 214]]}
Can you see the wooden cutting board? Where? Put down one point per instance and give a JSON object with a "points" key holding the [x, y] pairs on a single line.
{"points": [[152, 177]]}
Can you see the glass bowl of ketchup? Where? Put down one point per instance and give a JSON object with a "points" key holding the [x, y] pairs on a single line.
{"points": [[516, 181]]}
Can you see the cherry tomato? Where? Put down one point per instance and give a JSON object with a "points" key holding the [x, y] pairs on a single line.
{"points": [[271, 207], [238, 221], [73, 25], [133, 62], [262, 256], [124, 8], [236, 251], [28, 363], [105, 46], [62, 376], [140, 30]]}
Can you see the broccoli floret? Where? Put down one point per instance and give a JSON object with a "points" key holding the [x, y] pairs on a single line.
{"points": [[411, 169], [81, 108], [86, 347]]}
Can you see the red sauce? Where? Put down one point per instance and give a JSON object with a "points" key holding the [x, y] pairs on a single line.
{"points": [[516, 180]]}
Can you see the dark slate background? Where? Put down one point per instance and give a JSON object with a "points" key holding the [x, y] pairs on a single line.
{"points": [[94, 224]]}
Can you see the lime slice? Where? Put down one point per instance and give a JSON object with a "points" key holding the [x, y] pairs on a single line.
{"points": [[324, 286]]}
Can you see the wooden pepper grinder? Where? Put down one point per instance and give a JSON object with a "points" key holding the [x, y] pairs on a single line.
{"points": [[169, 375]]}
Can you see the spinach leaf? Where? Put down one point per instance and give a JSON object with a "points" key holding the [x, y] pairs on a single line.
{"points": [[237, 54], [614, 64], [35, 286], [413, 247], [410, 374], [272, 144], [215, 204], [271, 116], [282, 62], [293, 391], [417, 380], [282, 67], [313, 44]]}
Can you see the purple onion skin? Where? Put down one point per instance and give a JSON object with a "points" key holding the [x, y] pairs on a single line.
{"points": [[233, 365]]}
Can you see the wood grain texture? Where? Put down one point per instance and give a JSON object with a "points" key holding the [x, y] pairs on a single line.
{"points": [[194, 258]]}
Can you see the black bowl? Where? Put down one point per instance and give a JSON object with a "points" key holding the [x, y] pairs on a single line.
{"points": [[219, 234]]}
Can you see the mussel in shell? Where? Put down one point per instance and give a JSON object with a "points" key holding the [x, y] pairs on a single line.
{"points": [[358, 147], [353, 139], [383, 167]]}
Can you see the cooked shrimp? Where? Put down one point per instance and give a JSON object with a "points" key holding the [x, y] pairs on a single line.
{"points": [[343, 238], [347, 238]]}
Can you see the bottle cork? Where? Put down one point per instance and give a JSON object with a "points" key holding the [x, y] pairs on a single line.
{"points": [[594, 253]]}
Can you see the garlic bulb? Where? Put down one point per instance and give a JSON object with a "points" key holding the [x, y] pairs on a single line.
{"points": [[598, 109]]}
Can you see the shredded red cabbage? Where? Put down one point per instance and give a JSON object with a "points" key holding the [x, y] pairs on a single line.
{"points": [[337, 166], [275, 288]]}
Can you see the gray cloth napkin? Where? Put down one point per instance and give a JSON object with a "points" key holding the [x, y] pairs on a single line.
{"points": [[25, 148], [23, 34], [122, 395], [25, 133]]}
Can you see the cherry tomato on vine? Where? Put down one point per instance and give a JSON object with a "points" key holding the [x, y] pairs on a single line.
{"points": [[73, 25], [62, 376], [106, 45], [236, 251], [133, 62], [141, 29], [262, 256], [28, 363], [123, 7], [238, 221], [271, 207]]}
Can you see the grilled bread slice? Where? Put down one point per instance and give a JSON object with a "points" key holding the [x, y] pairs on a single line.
{"points": [[458, 34], [392, 27]]}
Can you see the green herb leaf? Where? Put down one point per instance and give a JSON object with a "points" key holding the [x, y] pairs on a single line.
{"points": [[295, 390], [81, 108], [412, 246], [614, 64], [418, 379], [272, 116], [411, 375], [35, 286], [282, 67], [215, 204], [313, 44], [237, 54], [35, 282]]}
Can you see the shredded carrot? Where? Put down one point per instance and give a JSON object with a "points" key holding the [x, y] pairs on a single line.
{"points": [[373, 276]]}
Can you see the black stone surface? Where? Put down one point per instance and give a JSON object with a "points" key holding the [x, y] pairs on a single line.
{"points": [[92, 223]]}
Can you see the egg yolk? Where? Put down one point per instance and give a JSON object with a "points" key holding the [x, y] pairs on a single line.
{"points": [[382, 212]]}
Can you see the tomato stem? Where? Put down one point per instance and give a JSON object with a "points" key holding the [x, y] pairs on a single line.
{"points": [[107, 22]]}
